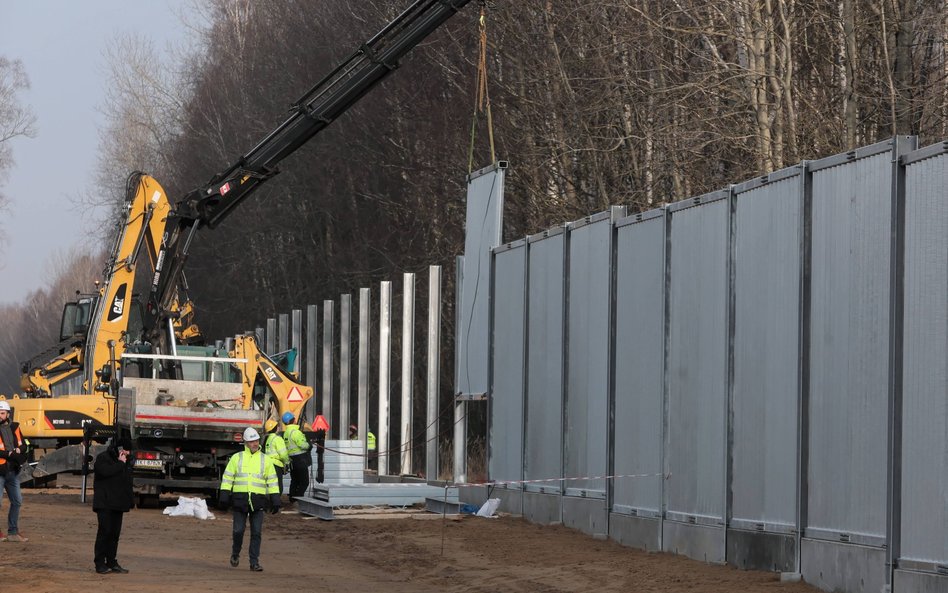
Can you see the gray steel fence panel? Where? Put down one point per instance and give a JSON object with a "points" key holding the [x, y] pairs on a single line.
{"points": [[587, 366], [544, 425], [697, 361], [766, 383], [925, 384], [639, 355], [507, 393], [849, 345], [485, 206]]}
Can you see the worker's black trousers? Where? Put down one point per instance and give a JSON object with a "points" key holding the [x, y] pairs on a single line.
{"points": [[256, 533], [107, 537], [279, 470], [299, 477]]}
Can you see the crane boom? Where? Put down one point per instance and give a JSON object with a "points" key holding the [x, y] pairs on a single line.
{"points": [[314, 111]]}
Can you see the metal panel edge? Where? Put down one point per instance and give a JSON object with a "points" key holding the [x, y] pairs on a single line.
{"points": [[927, 152], [707, 198], [855, 155], [780, 175], [497, 166], [641, 217]]}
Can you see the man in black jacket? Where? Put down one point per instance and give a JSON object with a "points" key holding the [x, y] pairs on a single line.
{"points": [[13, 451], [112, 498]]}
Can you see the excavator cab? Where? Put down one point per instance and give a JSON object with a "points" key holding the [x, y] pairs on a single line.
{"points": [[76, 317]]}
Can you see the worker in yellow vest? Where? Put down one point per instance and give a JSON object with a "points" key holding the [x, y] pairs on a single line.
{"points": [[249, 485], [275, 448], [371, 456], [300, 461]]}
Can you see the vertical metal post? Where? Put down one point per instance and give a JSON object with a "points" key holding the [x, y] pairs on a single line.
{"points": [[261, 335], [803, 360], [296, 339], [434, 371], [460, 407], [328, 311], [284, 335], [365, 298], [730, 267], [666, 330], [900, 146], [385, 372], [271, 344], [345, 358], [408, 365], [312, 354], [617, 212]]}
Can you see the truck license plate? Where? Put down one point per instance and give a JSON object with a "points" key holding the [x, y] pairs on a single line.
{"points": [[154, 463]]}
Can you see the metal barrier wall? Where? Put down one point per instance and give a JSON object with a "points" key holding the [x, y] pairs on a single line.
{"points": [[696, 377], [923, 537], [506, 405], [761, 407], [543, 456], [765, 388], [639, 393]]}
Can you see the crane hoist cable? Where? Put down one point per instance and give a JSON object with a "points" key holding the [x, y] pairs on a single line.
{"points": [[482, 98]]}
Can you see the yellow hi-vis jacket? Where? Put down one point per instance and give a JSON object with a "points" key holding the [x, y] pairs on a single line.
{"points": [[276, 450], [296, 443], [252, 480], [370, 438]]}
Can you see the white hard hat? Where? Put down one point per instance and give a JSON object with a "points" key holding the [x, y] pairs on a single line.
{"points": [[251, 434], [4, 405]]}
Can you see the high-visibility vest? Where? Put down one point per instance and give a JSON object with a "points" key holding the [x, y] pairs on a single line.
{"points": [[371, 440], [276, 450], [252, 473], [19, 441], [296, 443]]}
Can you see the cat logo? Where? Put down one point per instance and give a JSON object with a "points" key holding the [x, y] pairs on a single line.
{"points": [[271, 374], [118, 304]]}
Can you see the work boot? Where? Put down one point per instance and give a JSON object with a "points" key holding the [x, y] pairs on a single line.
{"points": [[102, 569], [116, 567], [256, 568], [234, 560], [16, 537]]}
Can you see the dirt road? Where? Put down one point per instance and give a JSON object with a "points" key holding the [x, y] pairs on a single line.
{"points": [[177, 554]]}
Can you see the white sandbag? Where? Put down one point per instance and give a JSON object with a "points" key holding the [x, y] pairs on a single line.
{"points": [[189, 507], [489, 508]]}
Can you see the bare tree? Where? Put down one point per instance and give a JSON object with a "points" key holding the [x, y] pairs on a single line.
{"points": [[15, 119]]}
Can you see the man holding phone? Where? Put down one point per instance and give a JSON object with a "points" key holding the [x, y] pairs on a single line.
{"points": [[113, 497]]}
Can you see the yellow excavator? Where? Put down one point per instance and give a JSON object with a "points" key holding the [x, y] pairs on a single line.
{"points": [[125, 356]]}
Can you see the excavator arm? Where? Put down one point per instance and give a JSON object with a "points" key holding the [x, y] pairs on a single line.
{"points": [[285, 393]]}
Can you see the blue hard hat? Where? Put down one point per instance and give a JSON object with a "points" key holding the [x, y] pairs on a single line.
{"points": [[287, 417]]}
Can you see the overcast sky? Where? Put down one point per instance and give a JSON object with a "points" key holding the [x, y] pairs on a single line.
{"points": [[62, 46]]}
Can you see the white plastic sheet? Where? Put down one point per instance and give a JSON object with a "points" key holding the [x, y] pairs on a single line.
{"points": [[489, 508], [190, 507]]}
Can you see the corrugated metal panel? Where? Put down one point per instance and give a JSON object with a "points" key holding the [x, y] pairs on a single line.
{"points": [[544, 429], [485, 207], [506, 403], [766, 342], [587, 394], [639, 353], [697, 360], [849, 345], [925, 385]]}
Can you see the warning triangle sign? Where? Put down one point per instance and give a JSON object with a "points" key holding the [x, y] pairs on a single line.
{"points": [[294, 395], [320, 423]]}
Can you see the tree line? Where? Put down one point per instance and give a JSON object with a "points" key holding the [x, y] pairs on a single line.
{"points": [[593, 103]]}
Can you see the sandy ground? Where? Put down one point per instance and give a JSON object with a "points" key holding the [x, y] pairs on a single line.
{"points": [[389, 552]]}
